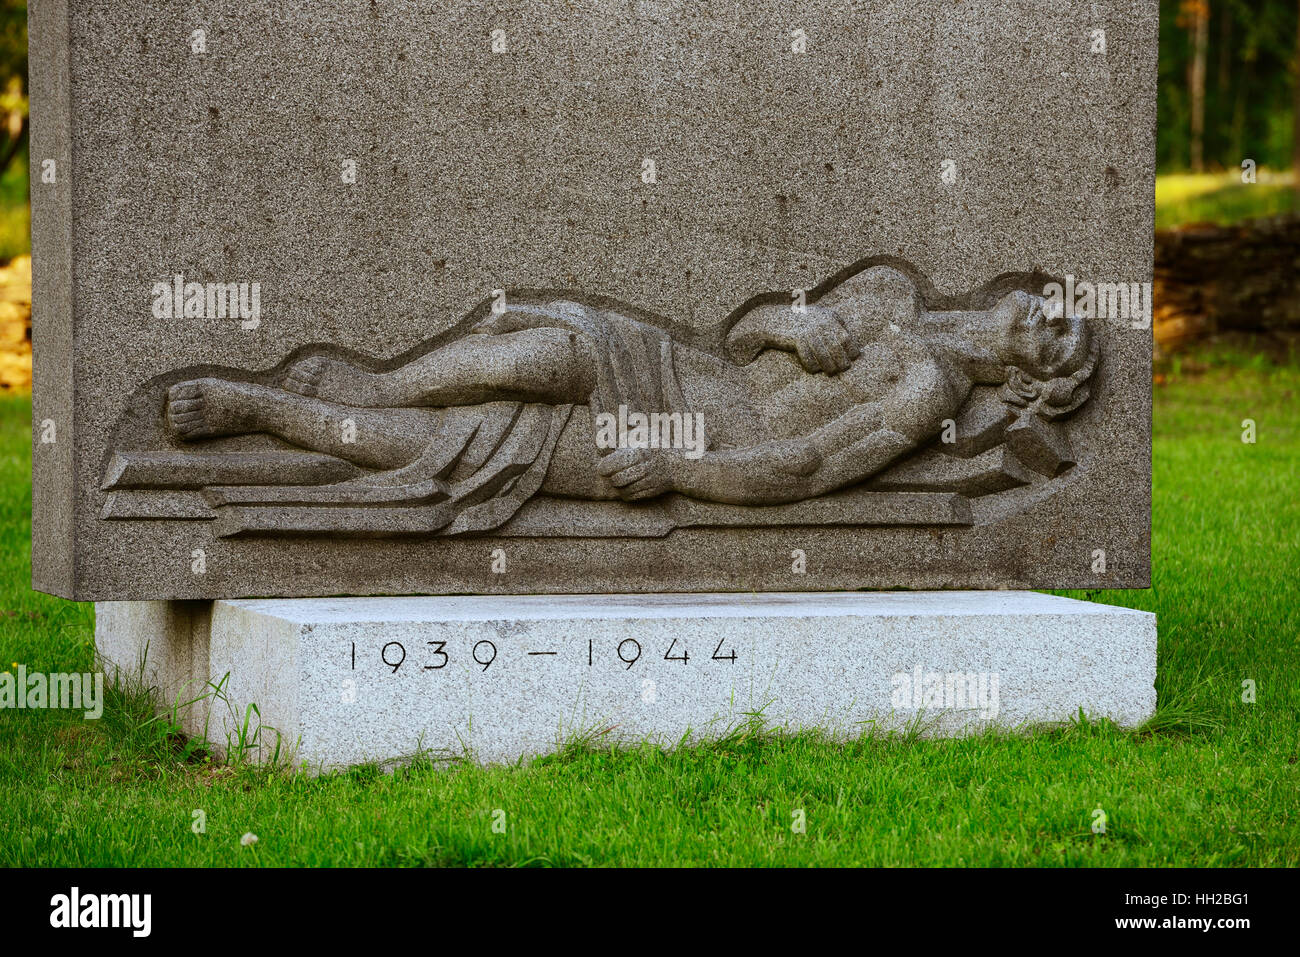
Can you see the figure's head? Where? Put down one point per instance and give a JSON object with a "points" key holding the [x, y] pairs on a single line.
{"points": [[1050, 356]]}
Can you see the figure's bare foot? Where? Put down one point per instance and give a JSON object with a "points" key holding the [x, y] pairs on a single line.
{"points": [[333, 380], [207, 408]]}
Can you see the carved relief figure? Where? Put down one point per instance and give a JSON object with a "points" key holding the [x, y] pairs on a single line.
{"points": [[796, 405]]}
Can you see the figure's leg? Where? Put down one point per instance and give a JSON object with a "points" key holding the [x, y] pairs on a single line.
{"points": [[532, 365], [375, 438]]}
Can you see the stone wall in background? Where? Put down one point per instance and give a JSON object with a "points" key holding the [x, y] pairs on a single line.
{"points": [[16, 325], [1213, 279]]}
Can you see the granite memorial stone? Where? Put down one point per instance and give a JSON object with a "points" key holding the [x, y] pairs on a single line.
{"points": [[542, 313], [413, 298]]}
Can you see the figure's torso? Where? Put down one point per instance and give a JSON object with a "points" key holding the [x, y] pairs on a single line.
{"points": [[774, 397]]}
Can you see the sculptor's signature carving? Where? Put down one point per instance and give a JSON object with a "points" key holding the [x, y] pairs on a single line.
{"points": [[794, 406]]}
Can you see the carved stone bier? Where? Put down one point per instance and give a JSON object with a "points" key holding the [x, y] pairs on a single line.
{"points": [[639, 325]]}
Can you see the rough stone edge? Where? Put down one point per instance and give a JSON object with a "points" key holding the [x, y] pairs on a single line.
{"points": [[53, 390]]}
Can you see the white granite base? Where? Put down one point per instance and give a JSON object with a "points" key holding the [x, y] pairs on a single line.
{"points": [[348, 680]]}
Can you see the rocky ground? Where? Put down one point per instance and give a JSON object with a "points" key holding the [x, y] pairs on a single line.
{"points": [[16, 325]]}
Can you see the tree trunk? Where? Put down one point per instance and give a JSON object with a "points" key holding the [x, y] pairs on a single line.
{"points": [[1245, 77], [1225, 53], [1200, 43], [1295, 119]]}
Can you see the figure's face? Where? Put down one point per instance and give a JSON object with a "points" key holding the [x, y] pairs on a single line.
{"points": [[1042, 342]]}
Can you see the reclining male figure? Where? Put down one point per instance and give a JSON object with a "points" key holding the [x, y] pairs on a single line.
{"points": [[807, 402]]}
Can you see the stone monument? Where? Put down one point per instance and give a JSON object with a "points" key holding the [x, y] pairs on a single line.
{"points": [[770, 304]]}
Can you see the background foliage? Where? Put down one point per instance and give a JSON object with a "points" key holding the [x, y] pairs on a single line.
{"points": [[1243, 56]]}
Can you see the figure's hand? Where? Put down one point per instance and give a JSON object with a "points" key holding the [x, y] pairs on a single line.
{"points": [[819, 340], [304, 376], [641, 473]]}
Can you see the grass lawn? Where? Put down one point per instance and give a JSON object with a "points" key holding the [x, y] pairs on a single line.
{"points": [[15, 214], [1211, 781], [1222, 197]]}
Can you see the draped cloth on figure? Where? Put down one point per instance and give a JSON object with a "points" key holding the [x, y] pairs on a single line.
{"points": [[484, 461], [634, 360]]}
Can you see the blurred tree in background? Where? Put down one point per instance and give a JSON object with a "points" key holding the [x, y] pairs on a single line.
{"points": [[15, 214], [13, 80], [14, 211], [1228, 83]]}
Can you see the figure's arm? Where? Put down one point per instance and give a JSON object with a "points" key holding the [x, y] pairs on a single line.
{"points": [[814, 334], [848, 450]]}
